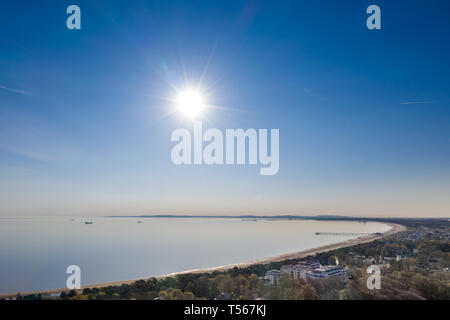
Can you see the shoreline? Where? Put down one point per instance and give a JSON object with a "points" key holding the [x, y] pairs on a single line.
{"points": [[395, 228]]}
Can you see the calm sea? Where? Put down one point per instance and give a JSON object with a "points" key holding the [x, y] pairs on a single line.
{"points": [[35, 252]]}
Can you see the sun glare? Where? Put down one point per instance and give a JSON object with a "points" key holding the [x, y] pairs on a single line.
{"points": [[190, 103]]}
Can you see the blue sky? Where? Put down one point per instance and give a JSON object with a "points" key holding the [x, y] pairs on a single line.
{"points": [[363, 115]]}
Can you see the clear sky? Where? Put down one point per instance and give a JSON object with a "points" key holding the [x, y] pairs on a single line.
{"points": [[364, 115]]}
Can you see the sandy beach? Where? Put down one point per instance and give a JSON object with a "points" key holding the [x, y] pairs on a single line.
{"points": [[295, 255]]}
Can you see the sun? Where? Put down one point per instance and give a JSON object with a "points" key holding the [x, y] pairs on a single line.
{"points": [[190, 103]]}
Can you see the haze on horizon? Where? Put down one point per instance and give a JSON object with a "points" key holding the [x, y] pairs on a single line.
{"points": [[364, 115]]}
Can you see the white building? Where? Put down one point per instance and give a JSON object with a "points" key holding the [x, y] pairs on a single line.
{"points": [[401, 257], [272, 277], [300, 270], [325, 272]]}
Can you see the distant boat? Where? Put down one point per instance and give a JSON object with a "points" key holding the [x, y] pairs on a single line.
{"points": [[139, 221], [88, 222]]}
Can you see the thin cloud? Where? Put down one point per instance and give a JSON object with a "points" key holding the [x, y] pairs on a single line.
{"points": [[33, 155], [16, 91], [423, 102]]}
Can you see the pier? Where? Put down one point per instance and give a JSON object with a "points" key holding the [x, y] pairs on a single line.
{"points": [[348, 234]]}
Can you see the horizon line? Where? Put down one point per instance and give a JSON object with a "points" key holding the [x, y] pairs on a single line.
{"points": [[325, 216]]}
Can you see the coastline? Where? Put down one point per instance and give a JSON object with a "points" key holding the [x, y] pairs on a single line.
{"points": [[395, 228]]}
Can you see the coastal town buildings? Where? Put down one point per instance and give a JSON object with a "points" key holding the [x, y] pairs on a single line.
{"points": [[325, 272], [272, 277], [313, 270], [300, 270]]}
